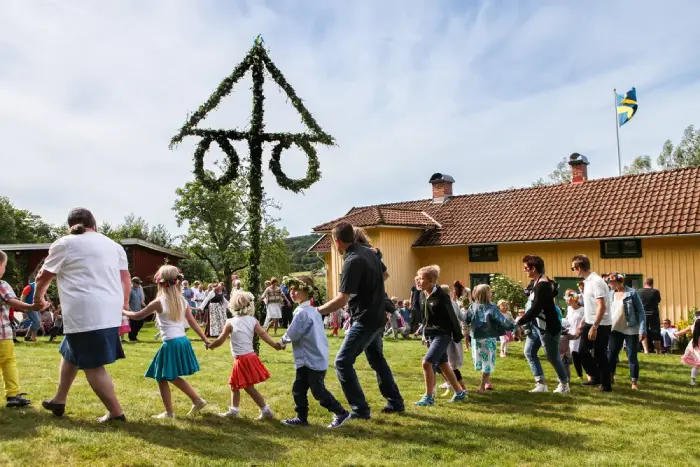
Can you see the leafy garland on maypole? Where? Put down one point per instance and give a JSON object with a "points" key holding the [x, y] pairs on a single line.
{"points": [[257, 61]]}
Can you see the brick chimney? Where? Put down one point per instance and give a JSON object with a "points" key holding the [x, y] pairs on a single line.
{"points": [[442, 187], [579, 168]]}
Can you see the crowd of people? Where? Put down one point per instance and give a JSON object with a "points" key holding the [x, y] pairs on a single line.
{"points": [[100, 300]]}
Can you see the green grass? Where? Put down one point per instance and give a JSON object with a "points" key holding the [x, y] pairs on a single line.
{"points": [[656, 426]]}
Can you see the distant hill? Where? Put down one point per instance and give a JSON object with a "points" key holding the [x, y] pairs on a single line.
{"points": [[302, 260]]}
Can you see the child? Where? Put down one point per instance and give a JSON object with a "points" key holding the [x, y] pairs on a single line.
{"points": [[390, 307], [574, 315], [125, 328], [336, 321], [310, 348], [8, 360], [57, 329], [504, 308], [691, 357], [567, 338], [440, 328], [487, 323], [175, 358], [248, 370], [455, 352]]}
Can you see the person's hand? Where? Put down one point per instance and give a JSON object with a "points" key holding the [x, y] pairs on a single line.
{"points": [[37, 306], [593, 333], [207, 343]]}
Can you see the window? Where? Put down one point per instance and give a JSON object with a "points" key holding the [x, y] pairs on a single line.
{"points": [[621, 248], [478, 279], [564, 284], [634, 280], [480, 254]]}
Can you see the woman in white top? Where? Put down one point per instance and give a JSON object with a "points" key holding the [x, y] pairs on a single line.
{"points": [[574, 313], [628, 325], [92, 274], [248, 370], [175, 358]]}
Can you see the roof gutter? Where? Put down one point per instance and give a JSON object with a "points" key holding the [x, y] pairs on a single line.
{"points": [[559, 240]]}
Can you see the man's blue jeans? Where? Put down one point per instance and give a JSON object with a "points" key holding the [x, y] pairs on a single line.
{"points": [[537, 339], [358, 339]]}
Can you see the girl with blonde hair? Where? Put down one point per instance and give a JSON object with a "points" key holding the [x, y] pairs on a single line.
{"points": [[175, 358], [247, 370]]}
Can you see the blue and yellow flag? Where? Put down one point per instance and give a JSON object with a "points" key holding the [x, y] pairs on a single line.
{"points": [[626, 106]]}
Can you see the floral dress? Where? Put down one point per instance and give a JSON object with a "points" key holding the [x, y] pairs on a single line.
{"points": [[484, 354]]}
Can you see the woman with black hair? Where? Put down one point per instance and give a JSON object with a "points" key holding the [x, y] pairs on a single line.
{"points": [[546, 326]]}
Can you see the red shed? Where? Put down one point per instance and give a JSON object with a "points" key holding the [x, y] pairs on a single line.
{"points": [[144, 258]]}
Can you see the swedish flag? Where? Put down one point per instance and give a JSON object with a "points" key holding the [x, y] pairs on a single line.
{"points": [[626, 106]]}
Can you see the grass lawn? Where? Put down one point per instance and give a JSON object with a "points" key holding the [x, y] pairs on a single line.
{"points": [[656, 426]]}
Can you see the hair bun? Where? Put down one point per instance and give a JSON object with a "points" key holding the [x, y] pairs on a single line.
{"points": [[77, 229]]}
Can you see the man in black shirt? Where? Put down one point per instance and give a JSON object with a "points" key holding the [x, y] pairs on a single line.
{"points": [[362, 287], [650, 300]]}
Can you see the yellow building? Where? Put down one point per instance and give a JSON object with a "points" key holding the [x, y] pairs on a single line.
{"points": [[644, 225]]}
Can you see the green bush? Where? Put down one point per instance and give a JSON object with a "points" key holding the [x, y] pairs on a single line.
{"points": [[505, 288]]}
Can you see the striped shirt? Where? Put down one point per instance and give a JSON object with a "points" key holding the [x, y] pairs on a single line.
{"points": [[6, 293]]}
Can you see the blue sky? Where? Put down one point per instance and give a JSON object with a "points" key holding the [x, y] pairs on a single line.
{"points": [[492, 93]]}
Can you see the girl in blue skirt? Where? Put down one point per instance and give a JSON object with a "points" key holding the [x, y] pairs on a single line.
{"points": [[175, 358]]}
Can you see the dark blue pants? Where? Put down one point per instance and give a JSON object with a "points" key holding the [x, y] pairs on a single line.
{"points": [[616, 341], [315, 381], [358, 339]]}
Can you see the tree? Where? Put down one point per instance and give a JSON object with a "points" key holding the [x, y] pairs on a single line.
{"points": [[562, 174], [505, 288], [640, 165], [686, 154], [258, 62], [137, 227], [218, 229]]}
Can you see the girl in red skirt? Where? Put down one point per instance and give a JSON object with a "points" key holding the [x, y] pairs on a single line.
{"points": [[248, 370]]}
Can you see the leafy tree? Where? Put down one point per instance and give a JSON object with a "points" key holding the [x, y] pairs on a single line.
{"points": [[561, 174], [218, 229], [686, 154], [137, 227], [640, 165], [22, 226], [197, 269], [505, 288], [302, 260]]}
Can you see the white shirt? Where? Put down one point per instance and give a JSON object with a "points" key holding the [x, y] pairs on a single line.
{"points": [[594, 287], [170, 328], [575, 317], [242, 333], [87, 269]]}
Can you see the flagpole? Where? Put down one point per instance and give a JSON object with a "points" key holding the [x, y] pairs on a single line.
{"points": [[617, 132]]}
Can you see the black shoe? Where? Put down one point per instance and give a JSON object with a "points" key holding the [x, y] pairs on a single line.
{"points": [[389, 410], [57, 409], [108, 418], [354, 416], [590, 383], [296, 421], [604, 389], [18, 401], [16, 341]]}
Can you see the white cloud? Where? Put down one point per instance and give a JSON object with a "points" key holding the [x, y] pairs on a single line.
{"points": [[91, 93]]}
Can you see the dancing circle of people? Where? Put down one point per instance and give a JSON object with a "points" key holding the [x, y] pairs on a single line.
{"points": [[602, 316]]}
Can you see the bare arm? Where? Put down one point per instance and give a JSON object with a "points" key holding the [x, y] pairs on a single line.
{"points": [[41, 283], [260, 331], [222, 337], [338, 302], [20, 305], [154, 307], [194, 325], [126, 286]]}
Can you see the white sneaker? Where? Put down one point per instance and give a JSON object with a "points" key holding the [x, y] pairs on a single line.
{"points": [[692, 382], [540, 387], [563, 388], [445, 386], [266, 413], [197, 407], [164, 415], [232, 412]]}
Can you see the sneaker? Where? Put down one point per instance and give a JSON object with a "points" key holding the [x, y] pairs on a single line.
{"points": [[17, 401], [108, 418], [338, 420], [296, 421], [459, 396], [232, 412], [692, 382], [563, 388], [540, 387], [163, 415], [197, 407], [266, 413], [426, 401], [445, 386]]}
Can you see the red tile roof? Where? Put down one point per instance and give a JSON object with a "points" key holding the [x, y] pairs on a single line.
{"points": [[383, 215], [323, 245], [659, 203]]}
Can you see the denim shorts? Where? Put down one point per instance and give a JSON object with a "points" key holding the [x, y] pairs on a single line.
{"points": [[437, 352], [35, 318]]}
